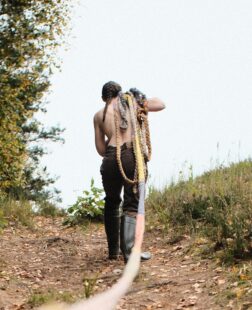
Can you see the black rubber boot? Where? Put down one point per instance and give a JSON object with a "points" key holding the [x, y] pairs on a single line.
{"points": [[112, 226], [127, 237]]}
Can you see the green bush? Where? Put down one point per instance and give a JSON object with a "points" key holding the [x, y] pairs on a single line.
{"points": [[88, 207], [217, 204]]}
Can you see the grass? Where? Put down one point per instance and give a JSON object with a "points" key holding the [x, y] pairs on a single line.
{"points": [[21, 212], [216, 205], [14, 212], [239, 286], [38, 299], [49, 209]]}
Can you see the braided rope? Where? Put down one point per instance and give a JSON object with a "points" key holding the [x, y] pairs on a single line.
{"points": [[147, 137], [140, 128], [135, 136], [137, 147], [118, 150]]}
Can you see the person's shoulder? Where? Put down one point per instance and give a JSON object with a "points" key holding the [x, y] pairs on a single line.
{"points": [[98, 115]]}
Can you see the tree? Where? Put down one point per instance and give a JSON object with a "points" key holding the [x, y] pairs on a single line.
{"points": [[30, 32]]}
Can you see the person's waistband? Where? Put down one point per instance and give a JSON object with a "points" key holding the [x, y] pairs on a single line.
{"points": [[126, 145]]}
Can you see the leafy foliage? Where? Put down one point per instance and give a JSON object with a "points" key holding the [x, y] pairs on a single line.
{"points": [[88, 207], [217, 204], [30, 32]]}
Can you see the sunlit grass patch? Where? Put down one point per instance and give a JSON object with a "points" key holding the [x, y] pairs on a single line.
{"points": [[217, 205], [15, 212], [38, 299]]}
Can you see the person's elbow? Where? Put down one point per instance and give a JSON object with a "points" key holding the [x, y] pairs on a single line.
{"points": [[156, 104], [162, 105], [101, 148], [101, 152]]}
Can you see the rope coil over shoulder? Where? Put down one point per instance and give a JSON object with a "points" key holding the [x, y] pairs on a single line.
{"points": [[140, 134]]}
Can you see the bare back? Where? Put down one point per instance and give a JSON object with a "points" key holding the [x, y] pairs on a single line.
{"points": [[108, 126], [106, 129]]}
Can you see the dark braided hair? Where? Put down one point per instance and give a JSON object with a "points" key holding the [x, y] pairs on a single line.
{"points": [[110, 90]]}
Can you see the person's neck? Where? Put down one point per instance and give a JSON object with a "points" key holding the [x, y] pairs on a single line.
{"points": [[112, 101]]}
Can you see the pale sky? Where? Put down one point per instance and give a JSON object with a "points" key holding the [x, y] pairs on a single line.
{"points": [[195, 55]]}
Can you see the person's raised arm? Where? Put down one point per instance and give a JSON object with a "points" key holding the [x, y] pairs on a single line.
{"points": [[155, 104], [152, 104], [100, 143]]}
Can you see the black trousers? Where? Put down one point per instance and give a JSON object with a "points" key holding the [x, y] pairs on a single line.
{"points": [[113, 181]]}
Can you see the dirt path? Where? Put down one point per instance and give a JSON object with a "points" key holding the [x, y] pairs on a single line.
{"points": [[53, 261]]}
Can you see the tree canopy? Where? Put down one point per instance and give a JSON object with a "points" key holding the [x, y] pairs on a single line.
{"points": [[30, 32]]}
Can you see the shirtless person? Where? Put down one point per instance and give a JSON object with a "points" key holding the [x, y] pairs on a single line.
{"points": [[113, 182]]}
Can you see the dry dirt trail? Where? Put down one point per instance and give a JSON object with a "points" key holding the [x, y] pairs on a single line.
{"points": [[52, 260]]}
